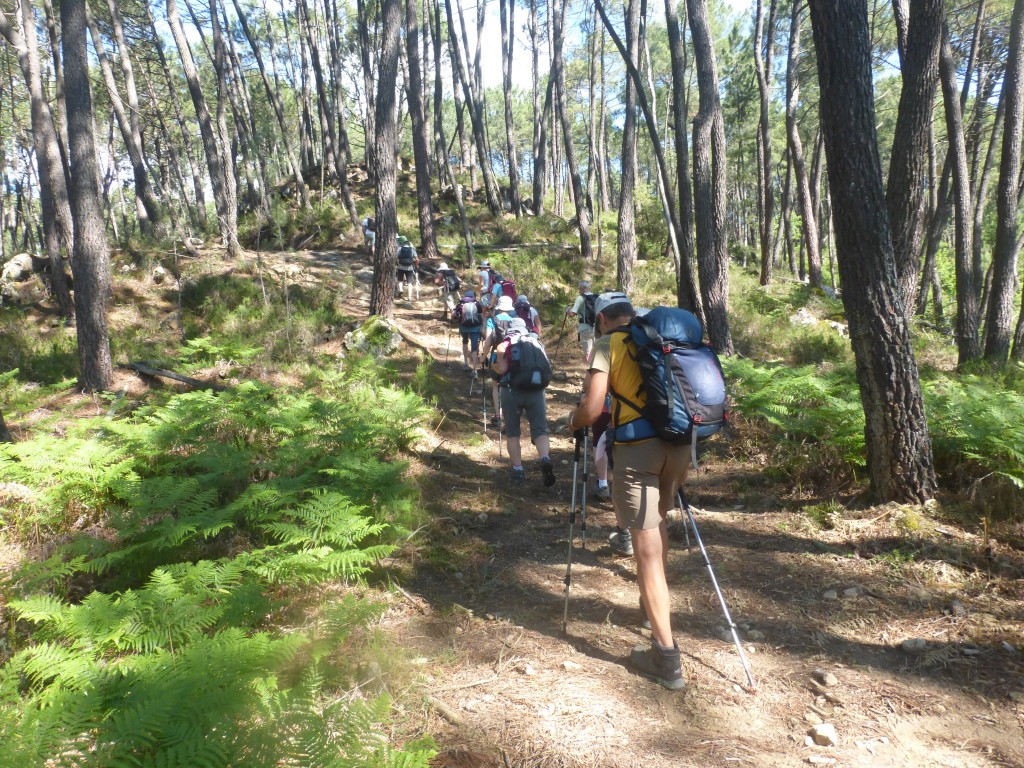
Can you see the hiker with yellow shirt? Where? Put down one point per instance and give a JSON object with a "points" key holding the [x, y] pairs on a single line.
{"points": [[646, 473]]}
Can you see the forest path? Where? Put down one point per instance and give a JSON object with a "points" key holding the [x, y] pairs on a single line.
{"points": [[485, 592]]}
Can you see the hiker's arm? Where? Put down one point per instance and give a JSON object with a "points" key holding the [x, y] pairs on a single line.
{"points": [[595, 389], [500, 364]]}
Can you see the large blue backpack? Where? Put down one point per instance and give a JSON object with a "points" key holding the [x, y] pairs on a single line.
{"points": [[682, 377]]}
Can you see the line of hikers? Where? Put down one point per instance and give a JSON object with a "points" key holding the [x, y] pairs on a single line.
{"points": [[408, 266], [651, 391]]}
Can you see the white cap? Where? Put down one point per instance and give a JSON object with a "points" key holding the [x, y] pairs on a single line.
{"points": [[607, 300], [443, 265], [485, 263], [505, 304]]}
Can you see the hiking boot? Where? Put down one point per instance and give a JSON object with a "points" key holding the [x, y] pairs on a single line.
{"points": [[659, 663], [548, 469], [621, 542], [496, 422], [475, 376], [603, 493], [644, 621], [517, 477]]}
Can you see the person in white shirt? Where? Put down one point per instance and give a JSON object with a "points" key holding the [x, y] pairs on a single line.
{"points": [[369, 225], [583, 310]]}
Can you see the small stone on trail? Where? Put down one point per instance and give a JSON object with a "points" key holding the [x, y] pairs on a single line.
{"points": [[725, 636], [571, 666], [825, 677], [812, 718], [459, 576], [939, 709], [851, 592], [482, 518], [914, 645], [829, 594], [528, 670], [755, 636], [825, 735]]}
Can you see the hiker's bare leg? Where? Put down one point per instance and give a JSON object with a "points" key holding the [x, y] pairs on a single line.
{"points": [[515, 451], [650, 548], [543, 446], [495, 398]]}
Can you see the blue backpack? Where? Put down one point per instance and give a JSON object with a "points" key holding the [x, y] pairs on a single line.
{"points": [[682, 378]]}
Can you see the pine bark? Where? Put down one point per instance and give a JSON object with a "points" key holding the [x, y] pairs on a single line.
{"points": [[968, 274], [627, 245], [710, 184], [146, 204], [385, 258], [766, 195], [905, 195], [507, 12], [558, 74], [420, 132], [677, 52], [91, 265], [53, 184], [5, 433], [899, 453], [221, 177], [796, 152]]}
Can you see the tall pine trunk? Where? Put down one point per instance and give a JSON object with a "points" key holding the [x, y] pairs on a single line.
{"points": [[899, 452], [385, 151], [677, 52], [766, 195], [709, 183], [420, 132], [507, 10], [627, 246], [91, 265]]}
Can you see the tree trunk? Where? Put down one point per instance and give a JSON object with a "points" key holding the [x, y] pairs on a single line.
{"points": [[1004, 255], [274, 97], [53, 184], [539, 151], [558, 73], [5, 433], [442, 144], [420, 134], [766, 195], [363, 26], [796, 152], [968, 280], [709, 183], [91, 255], [221, 177], [905, 195], [899, 453], [198, 212], [677, 51], [507, 11], [385, 150], [627, 245], [474, 103], [146, 204]]}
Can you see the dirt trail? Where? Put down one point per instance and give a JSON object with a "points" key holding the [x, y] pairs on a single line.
{"points": [[483, 605]]}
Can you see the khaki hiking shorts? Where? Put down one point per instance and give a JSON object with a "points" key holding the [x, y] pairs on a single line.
{"points": [[645, 479]]}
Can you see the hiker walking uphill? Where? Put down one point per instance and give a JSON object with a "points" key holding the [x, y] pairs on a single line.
{"points": [[484, 276], [369, 225], [529, 314], [523, 372], [450, 287], [408, 264], [495, 329], [646, 474], [470, 317], [583, 310]]}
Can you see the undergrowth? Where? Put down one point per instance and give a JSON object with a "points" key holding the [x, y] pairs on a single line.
{"points": [[144, 639]]}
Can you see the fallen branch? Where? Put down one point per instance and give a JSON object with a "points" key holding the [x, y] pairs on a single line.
{"points": [[446, 712], [148, 370]]}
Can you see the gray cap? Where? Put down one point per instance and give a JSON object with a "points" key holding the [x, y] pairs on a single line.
{"points": [[611, 299], [517, 324]]}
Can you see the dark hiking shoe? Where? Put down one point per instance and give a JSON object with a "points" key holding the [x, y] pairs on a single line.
{"points": [[621, 542], [644, 621], [659, 663], [517, 477], [602, 493], [548, 469]]}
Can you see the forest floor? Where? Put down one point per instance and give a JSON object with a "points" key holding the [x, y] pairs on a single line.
{"points": [[499, 684], [474, 629]]}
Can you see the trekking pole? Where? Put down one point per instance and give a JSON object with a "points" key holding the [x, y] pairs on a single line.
{"points": [[714, 582], [583, 517], [448, 345], [572, 522]]}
